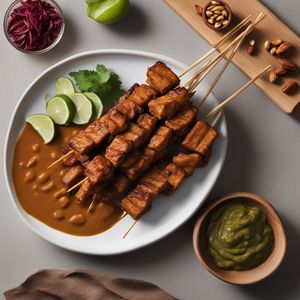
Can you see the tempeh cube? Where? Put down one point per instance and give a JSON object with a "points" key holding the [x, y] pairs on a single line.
{"points": [[115, 156], [81, 143], [99, 169], [117, 150], [97, 132], [135, 134], [154, 178], [141, 94], [166, 106], [118, 118], [137, 202], [207, 142], [174, 175], [128, 108], [138, 168], [181, 122], [195, 136], [72, 175], [161, 77], [187, 162], [147, 121], [160, 139], [85, 191]]}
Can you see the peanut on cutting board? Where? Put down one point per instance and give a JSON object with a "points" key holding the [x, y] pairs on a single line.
{"points": [[280, 49], [290, 87], [277, 47], [251, 47]]}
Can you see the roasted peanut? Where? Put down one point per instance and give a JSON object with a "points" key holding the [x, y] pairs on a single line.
{"points": [[290, 87]]}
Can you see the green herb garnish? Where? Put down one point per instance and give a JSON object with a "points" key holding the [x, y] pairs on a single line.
{"points": [[103, 82]]}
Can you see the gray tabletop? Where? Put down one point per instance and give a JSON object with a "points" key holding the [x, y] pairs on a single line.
{"points": [[263, 157]]}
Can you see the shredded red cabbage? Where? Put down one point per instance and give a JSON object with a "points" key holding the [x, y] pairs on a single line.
{"points": [[34, 25]]}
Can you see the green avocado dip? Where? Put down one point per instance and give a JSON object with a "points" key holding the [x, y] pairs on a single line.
{"points": [[239, 236]]}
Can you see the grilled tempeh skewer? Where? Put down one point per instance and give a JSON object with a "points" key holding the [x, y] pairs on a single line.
{"points": [[137, 134], [199, 140], [137, 162], [128, 107], [166, 179], [157, 181]]}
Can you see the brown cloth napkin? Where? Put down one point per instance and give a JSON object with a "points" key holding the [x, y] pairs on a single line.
{"points": [[84, 285]]}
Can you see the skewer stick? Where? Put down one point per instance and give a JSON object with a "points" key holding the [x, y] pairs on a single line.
{"points": [[60, 159], [77, 184], [223, 40], [124, 215], [129, 229], [193, 86], [216, 59], [218, 117], [239, 91], [92, 204], [225, 66]]}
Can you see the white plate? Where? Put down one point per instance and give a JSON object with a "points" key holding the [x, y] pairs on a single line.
{"points": [[167, 213]]}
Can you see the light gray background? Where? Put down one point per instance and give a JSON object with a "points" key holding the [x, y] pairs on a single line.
{"points": [[263, 157]]}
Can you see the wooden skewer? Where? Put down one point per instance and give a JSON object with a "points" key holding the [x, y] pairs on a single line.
{"points": [[92, 204], [218, 117], [124, 215], [223, 40], [211, 64], [225, 66], [77, 184], [60, 159], [234, 95], [129, 229]]}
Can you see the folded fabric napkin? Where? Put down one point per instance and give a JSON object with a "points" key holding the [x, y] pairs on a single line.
{"points": [[84, 285]]}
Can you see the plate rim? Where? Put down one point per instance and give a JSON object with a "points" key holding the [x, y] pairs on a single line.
{"points": [[106, 252]]}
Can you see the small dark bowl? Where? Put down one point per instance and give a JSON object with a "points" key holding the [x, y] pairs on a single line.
{"points": [[251, 276], [205, 18]]}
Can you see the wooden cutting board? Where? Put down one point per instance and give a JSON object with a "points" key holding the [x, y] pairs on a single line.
{"points": [[270, 28]]}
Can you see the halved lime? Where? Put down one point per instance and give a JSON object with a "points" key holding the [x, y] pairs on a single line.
{"points": [[107, 11], [84, 108], [97, 103], [44, 125], [61, 109], [64, 86]]}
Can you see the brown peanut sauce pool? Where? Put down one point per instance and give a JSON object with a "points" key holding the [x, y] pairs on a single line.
{"points": [[41, 192]]}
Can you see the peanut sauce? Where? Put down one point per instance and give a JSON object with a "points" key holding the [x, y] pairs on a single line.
{"points": [[42, 194]]}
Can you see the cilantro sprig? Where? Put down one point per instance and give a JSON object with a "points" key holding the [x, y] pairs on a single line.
{"points": [[103, 82]]}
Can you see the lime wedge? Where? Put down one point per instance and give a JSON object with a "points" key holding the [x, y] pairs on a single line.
{"points": [[97, 103], [64, 86], [107, 11], [44, 125], [84, 108], [61, 109]]}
